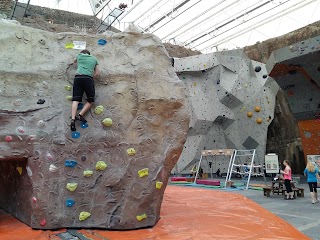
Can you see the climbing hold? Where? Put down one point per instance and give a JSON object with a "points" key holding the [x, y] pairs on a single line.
{"points": [[80, 106], [249, 114], [101, 165], [17, 102], [99, 109], [131, 151], [195, 84], [102, 41], [143, 172], [29, 172], [19, 169], [84, 215], [70, 163], [84, 125], [32, 137], [53, 168], [257, 109], [67, 87], [75, 134], [72, 186], [41, 123], [107, 122], [259, 120], [21, 129], [87, 173], [49, 156], [43, 222], [141, 217], [83, 158], [34, 199], [69, 98], [8, 138], [41, 101], [69, 45], [265, 76], [69, 202], [159, 185], [257, 68]]}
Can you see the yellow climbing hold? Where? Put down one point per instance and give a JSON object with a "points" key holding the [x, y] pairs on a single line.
{"points": [[195, 84], [84, 215], [69, 98], [257, 109], [131, 151], [143, 172], [87, 173], [67, 87], [19, 169], [99, 109], [159, 185], [72, 186], [69, 45], [107, 122], [101, 165], [141, 217], [259, 120], [249, 114]]}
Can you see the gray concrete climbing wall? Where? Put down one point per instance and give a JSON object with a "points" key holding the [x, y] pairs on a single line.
{"points": [[111, 173], [232, 102]]}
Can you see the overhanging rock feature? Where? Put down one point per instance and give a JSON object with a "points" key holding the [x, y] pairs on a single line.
{"points": [[114, 172], [234, 97]]}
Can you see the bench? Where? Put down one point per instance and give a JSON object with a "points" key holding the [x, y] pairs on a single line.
{"points": [[266, 191], [297, 192]]}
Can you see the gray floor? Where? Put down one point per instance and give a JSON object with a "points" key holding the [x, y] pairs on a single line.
{"points": [[300, 213]]}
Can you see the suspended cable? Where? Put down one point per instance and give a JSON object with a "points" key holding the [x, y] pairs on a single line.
{"points": [[143, 14], [232, 20], [241, 32], [177, 16], [196, 17]]}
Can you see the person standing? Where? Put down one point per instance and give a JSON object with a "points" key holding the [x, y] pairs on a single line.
{"points": [[312, 172], [87, 70], [287, 175]]}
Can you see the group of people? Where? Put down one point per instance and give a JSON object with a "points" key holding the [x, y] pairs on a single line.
{"points": [[311, 171]]}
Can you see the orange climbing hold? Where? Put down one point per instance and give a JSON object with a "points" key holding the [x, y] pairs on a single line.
{"points": [[259, 120], [257, 109], [249, 114]]}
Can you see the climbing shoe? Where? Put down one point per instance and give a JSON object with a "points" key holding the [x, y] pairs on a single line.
{"points": [[82, 119], [73, 125]]}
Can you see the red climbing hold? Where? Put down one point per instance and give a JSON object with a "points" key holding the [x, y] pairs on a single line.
{"points": [[8, 138], [43, 222]]}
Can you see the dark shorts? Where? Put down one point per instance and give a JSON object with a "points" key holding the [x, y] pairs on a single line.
{"points": [[81, 84], [313, 186]]}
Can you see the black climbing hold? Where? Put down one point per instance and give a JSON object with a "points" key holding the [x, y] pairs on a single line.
{"points": [[257, 68], [83, 158], [41, 101], [218, 82], [265, 76], [172, 62], [203, 71]]}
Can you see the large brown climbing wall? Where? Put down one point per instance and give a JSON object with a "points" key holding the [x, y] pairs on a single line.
{"points": [[310, 136], [112, 172]]}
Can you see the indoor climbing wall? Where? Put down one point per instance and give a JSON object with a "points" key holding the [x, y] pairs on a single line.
{"points": [[296, 68], [110, 173], [232, 102]]}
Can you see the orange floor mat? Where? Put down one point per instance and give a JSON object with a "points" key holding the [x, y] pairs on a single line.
{"points": [[187, 213]]}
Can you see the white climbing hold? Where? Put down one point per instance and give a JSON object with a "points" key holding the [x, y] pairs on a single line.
{"points": [[41, 123], [29, 172], [53, 168]]}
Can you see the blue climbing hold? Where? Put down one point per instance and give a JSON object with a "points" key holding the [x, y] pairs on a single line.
{"points": [[80, 106], [75, 134], [84, 125], [70, 163], [102, 41], [70, 202]]}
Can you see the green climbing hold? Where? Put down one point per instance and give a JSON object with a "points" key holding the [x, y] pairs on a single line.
{"points": [[141, 217], [67, 87], [69, 46], [69, 98], [107, 122], [84, 215], [131, 151], [101, 165], [143, 172], [159, 185], [99, 109], [87, 173], [72, 186]]}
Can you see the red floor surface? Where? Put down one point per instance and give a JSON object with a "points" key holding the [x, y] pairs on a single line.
{"points": [[187, 213]]}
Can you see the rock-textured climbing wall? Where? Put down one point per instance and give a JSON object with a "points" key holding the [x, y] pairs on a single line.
{"points": [[113, 171], [296, 68], [232, 103]]}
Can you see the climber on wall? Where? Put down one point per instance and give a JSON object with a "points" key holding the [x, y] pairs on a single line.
{"points": [[87, 71]]}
